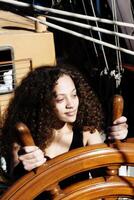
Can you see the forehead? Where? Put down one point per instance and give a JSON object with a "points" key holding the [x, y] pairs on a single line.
{"points": [[64, 84]]}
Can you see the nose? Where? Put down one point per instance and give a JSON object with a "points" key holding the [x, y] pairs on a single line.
{"points": [[69, 103]]}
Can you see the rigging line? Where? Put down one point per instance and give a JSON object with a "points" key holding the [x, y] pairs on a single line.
{"points": [[132, 9], [80, 35], [100, 38], [113, 13], [94, 28], [119, 53], [71, 5], [94, 45], [124, 14], [117, 42], [125, 31], [120, 57], [90, 27], [70, 14], [117, 75], [52, 4]]}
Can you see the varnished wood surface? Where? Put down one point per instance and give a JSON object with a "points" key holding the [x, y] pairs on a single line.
{"points": [[118, 105], [48, 176]]}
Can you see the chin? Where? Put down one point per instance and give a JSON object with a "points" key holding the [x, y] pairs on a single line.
{"points": [[73, 119]]}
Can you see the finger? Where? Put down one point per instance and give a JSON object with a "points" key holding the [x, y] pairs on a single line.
{"points": [[118, 135], [31, 166], [29, 149], [116, 138], [27, 156], [118, 127], [37, 154], [32, 158], [122, 119], [33, 161]]}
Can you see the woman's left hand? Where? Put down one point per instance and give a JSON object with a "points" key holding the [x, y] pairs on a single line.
{"points": [[119, 129]]}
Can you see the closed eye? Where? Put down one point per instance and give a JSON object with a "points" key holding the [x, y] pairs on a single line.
{"points": [[59, 100]]}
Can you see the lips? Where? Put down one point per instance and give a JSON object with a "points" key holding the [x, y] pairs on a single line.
{"points": [[71, 113]]}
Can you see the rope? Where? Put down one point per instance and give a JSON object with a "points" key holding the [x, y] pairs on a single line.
{"points": [[94, 45], [70, 14], [93, 28], [100, 38], [119, 60], [81, 35], [119, 68]]}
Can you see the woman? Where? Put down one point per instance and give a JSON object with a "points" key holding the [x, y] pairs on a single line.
{"points": [[62, 113]]}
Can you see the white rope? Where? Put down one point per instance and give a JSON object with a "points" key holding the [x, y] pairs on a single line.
{"points": [[70, 14], [94, 45], [100, 38], [120, 58], [82, 36], [94, 28], [117, 74], [116, 29]]}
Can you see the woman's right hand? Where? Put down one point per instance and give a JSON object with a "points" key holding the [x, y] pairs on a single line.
{"points": [[34, 157], [119, 129]]}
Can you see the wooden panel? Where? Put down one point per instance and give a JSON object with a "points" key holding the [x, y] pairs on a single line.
{"points": [[37, 48]]}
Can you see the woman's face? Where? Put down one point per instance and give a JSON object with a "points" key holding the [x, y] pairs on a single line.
{"points": [[66, 101]]}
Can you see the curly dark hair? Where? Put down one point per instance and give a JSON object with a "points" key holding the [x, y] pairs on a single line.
{"points": [[31, 105]]}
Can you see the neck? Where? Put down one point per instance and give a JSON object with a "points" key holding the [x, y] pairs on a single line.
{"points": [[65, 129]]}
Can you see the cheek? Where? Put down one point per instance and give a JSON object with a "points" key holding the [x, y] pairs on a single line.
{"points": [[59, 109]]}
